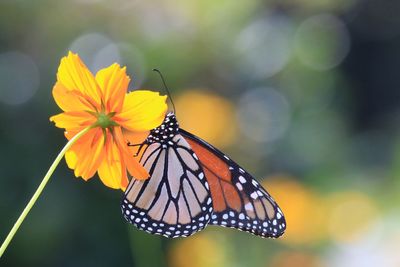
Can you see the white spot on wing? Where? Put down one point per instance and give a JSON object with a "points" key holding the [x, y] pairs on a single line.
{"points": [[254, 195], [239, 186], [249, 207]]}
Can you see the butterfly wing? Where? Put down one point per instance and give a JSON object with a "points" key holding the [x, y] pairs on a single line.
{"points": [[239, 201], [175, 200]]}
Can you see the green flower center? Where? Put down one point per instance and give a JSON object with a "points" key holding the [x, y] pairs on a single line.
{"points": [[105, 120]]}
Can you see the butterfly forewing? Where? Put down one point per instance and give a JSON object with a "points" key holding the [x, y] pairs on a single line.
{"points": [[175, 200], [239, 201]]}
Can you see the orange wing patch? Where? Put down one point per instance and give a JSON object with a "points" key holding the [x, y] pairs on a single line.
{"points": [[232, 196], [239, 201], [216, 190], [219, 178], [211, 161]]}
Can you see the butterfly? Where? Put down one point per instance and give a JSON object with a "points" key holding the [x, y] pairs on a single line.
{"points": [[192, 184]]}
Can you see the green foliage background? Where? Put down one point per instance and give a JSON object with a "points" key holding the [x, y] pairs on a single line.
{"points": [[324, 79]]}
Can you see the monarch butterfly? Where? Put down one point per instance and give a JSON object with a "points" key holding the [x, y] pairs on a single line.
{"points": [[193, 184]]}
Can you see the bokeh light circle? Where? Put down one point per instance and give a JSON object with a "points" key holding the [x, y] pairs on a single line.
{"points": [[207, 115], [106, 56], [98, 51], [19, 78], [199, 250], [264, 114], [378, 246], [303, 209], [351, 215], [322, 42], [263, 48], [135, 61], [89, 45]]}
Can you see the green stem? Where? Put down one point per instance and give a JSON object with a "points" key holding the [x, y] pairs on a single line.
{"points": [[39, 190]]}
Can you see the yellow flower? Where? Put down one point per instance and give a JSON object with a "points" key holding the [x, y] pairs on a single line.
{"points": [[115, 117]]}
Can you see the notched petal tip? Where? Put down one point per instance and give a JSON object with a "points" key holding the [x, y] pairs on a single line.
{"points": [[113, 82], [74, 75], [73, 120], [142, 177]]}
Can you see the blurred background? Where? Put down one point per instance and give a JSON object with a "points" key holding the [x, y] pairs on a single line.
{"points": [[304, 94]]}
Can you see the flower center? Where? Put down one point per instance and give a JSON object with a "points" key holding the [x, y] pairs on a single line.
{"points": [[104, 120]]}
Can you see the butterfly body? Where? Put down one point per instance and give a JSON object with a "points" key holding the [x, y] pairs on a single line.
{"points": [[193, 184]]}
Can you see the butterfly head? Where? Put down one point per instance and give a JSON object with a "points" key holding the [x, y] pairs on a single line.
{"points": [[166, 131]]}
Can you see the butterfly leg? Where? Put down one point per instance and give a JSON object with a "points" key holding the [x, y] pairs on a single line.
{"points": [[134, 145]]}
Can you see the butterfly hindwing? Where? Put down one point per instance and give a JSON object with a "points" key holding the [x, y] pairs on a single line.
{"points": [[239, 201], [175, 200]]}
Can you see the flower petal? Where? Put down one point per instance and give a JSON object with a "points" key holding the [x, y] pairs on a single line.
{"points": [[71, 158], [142, 111], [73, 120], [86, 154], [74, 75], [132, 164], [111, 170], [69, 100], [113, 83], [135, 137]]}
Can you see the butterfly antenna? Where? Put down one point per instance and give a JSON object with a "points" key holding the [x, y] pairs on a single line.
{"points": [[166, 88]]}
